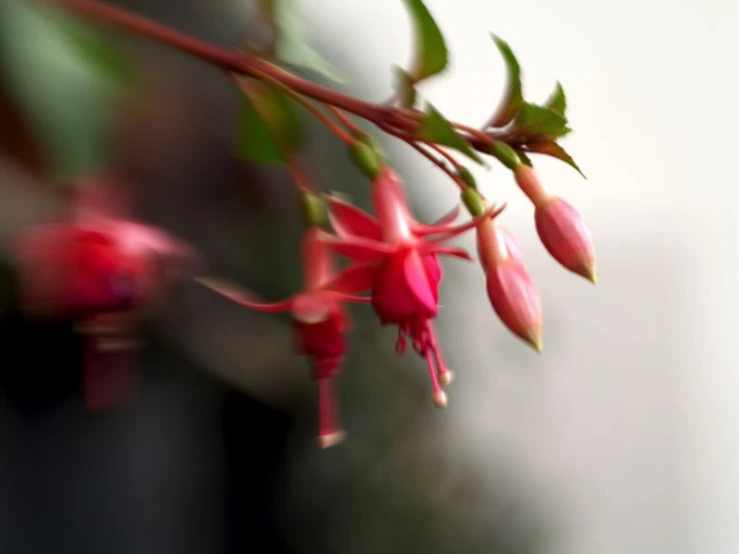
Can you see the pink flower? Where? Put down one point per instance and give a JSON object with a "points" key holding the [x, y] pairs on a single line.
{"points": [[565, 235], [99, 268], [320, 324], [396, 257], [511, 290]]}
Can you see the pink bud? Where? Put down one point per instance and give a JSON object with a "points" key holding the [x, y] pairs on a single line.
{"points": [[515, 299], [564, 234]]}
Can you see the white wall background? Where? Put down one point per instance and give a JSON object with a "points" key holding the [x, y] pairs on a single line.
{"points": [[631, 413]]}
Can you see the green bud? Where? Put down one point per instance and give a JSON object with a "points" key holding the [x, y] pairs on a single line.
{"points": [[313, 210], [474, 202], [505, 154], [365, 157], [467, 177]]}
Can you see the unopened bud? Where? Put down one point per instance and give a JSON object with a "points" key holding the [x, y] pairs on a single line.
{"points": [[516, 300], [565, 236]]}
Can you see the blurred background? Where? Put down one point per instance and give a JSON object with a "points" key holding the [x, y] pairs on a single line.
{"points": [[620, 438]]}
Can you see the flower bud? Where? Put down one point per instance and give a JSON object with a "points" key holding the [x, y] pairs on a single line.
{"points": [[565, 236], [516, 300], [366, 157]]}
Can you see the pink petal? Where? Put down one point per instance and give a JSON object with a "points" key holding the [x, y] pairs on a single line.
{"points": [[418, 281], [240, 296], [358, 248], [451, 232], [355, 278], [432, 248], [440, 225], [350, 221], [350, 297]]}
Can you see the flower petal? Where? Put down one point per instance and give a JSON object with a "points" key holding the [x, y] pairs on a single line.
{"points": [[355, 278], [440, 225], [418, 281], [234, 293], [433, 248], [358, 248], [452, 232], [349, 221]]}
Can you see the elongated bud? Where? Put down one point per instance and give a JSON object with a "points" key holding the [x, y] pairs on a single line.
{"points": [[516, 300], [528, 182], [565, 236], [473, 202]]}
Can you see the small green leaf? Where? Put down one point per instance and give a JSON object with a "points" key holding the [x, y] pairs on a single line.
{"points": [[291, 46], [513, 97], [557, 102], [551, 148], [269, 129], [437, 129], [65, 78], [533, 120], [405, 89], [431, 55]]}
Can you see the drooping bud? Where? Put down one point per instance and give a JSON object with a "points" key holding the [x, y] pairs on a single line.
{"points": [[512, 292], [516, 300], [566, 237], [505, 154]]}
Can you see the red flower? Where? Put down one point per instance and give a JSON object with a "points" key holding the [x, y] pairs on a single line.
{"points": [[99, 268], [320, 324], [397, 259]]}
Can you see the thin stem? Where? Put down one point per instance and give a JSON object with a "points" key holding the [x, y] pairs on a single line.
{"points": [[345, 121]]}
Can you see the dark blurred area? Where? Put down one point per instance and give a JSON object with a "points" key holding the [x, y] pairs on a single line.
{"points": [[215, 451]]}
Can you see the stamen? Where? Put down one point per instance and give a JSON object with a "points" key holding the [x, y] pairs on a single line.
{"points": [[439, 398], [446, 375], [330, 432]]}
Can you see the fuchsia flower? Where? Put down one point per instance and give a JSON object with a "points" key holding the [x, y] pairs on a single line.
{"points": [[396, 257], [320, 323], [511, 290], [99, 268]]}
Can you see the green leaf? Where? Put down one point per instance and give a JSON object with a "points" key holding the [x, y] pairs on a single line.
{"points": [[551, 148], [431, 56], [65, 78], [269, 126], [405, 89], [291, 45], [513, 96], [557, 102], [533, 120], [437, 129]]}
